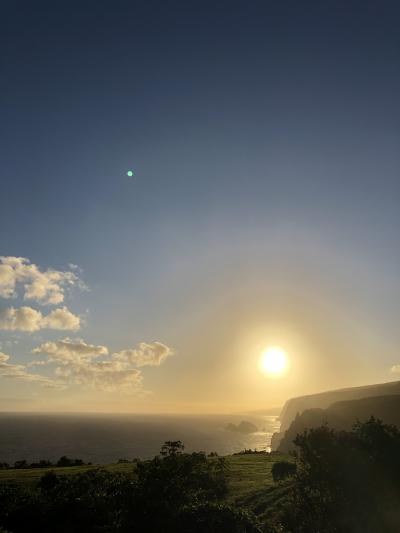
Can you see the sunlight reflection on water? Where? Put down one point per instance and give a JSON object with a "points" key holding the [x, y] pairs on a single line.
{"points": [[106, 438]]}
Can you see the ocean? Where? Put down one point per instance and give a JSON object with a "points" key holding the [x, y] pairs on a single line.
{"points": [[101, 438]]}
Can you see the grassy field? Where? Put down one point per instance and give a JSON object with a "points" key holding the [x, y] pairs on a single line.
{"points": [[249, 473], [30, 476], [251, 484], [249, 480]]}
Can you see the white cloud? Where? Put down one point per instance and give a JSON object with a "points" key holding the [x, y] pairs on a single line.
{"points": [[108, 375], [17, 371], [78, 363], [61, 318], [7, 280], [70, 351], [72, 362], [81, 367], [21, 319], [45, 287], [29, 319], [146, 354]]}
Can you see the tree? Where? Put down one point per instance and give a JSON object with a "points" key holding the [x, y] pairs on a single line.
{"points": [[64, 461], [283, 469], [21, 464], [346, 481], [171, 483], [48, 482], [172, 447], [175, 492]]}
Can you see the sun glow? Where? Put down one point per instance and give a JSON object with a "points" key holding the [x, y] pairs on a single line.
{"points": [[274, 361]]}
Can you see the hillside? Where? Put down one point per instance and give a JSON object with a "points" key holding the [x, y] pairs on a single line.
{"points": [[323, 400], [343, 415], [249, 480]]}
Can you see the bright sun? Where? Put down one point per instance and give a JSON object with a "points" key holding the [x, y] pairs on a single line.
{"points": [[274, 362]]}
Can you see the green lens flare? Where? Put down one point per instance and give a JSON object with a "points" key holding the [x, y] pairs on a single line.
{"points": [[129, 173]]}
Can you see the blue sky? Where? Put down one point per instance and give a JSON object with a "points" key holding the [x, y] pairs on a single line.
{"points": [[264, 138]]}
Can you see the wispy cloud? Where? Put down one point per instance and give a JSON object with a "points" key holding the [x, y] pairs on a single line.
{"points": [[19, 372], [108, 375], [68, 350], [145, 354]]}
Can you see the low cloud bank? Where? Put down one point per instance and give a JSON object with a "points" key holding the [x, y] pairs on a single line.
{"points": [[75, 362]]}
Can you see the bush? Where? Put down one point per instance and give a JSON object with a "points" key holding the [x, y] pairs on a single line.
{"points": [[283, 469], [66, 461], [21, 464], [175, 492], [214, 517], [346, 481]]}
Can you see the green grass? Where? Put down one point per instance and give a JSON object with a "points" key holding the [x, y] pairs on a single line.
{"points": [[30, 476], [248, 473], [250, 482]]}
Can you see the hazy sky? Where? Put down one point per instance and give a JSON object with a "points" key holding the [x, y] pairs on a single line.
{"points": [[264, 207]]}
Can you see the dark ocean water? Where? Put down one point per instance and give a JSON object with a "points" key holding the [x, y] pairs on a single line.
{"points": [[106, 438]]}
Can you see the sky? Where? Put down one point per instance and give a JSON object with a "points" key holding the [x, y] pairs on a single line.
{"points": [[263, 210]]}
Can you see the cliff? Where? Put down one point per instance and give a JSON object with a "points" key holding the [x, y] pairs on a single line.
{"points": [[342, 415], [323, 400]]}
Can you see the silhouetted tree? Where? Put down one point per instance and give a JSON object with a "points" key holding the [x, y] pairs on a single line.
{"points": [[21, 464], [346, 481], [282, 470], [169, 483], [172, 447], [48, 481], [173, 493], [66, 461]]}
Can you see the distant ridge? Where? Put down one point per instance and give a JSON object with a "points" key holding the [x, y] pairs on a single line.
{"points": [[322, 400], [327, 398], [343, 415]]}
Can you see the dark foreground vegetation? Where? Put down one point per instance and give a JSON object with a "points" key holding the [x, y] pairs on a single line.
{"points": [[64, 461], [174, 492], [339, 482]]}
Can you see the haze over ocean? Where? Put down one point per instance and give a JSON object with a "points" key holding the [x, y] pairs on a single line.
{"points": [[107, 438]]}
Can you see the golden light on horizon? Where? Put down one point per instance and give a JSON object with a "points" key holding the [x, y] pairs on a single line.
{"points": [[274, 361]]}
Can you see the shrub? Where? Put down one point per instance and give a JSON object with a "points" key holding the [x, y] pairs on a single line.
{"points": [[282, 470], [346, 481], [213, 517]]}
